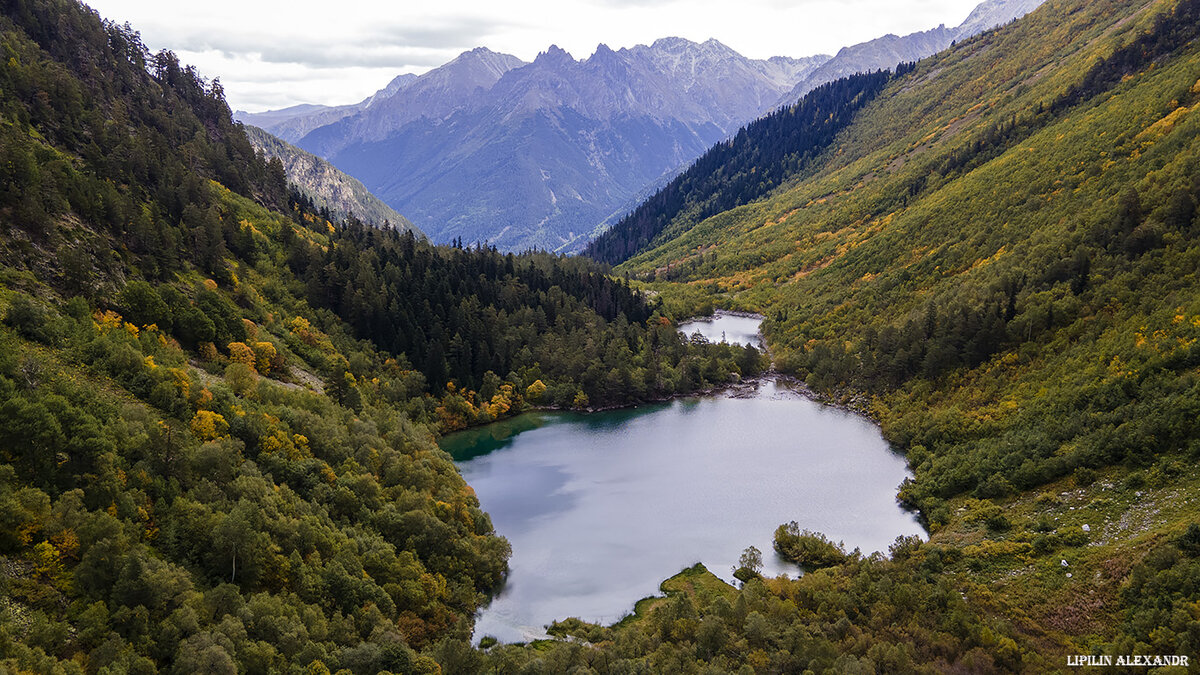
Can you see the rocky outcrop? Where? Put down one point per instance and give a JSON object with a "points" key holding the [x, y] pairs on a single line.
{"points": [[326, 185]]}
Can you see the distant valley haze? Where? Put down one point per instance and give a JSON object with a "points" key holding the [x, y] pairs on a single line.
{"points": [[537, 147]]}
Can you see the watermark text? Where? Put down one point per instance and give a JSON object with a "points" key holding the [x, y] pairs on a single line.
{"points": [[1131, 660]]}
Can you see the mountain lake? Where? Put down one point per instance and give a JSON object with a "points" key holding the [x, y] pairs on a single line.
{"points": [[601, 507]]}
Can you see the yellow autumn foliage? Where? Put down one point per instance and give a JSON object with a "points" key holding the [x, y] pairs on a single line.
{"points": [[535, 391], [501, 402], [208, 351], [208, 425], [47, 561], [310, 336], [67, 543], [264, 356], [107, 320]]}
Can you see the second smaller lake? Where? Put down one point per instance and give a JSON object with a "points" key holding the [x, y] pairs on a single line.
{"points": [[736, 329]]}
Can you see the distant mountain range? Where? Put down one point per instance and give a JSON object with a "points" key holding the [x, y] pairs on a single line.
{"points": [[489, 148], [546, 154], [294, 122], [325, 185]]}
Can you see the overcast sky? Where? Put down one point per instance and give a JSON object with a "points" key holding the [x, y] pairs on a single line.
{"points": [[275, 53]]}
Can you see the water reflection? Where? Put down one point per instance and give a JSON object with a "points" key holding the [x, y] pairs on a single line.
{"points": [[735, 329], [480, 441], [539, 494]]}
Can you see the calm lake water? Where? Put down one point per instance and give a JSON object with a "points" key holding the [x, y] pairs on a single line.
{"points": [[736, 330], [600, 508]]}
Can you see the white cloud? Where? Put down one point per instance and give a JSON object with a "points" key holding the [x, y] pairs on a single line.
{"points": [[274, 53]]}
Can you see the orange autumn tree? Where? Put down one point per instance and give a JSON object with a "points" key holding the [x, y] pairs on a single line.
{"points": [[240, 352]]}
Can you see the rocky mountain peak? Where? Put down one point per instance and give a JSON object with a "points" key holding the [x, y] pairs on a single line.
{"points": [[716, 47], [482, 60], [671, 44], [992, 13], [554, 55], [606, 59], [397, 84]]}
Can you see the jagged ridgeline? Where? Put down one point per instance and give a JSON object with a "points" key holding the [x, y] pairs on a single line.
{"points": [[218, 408], [761, 157]]}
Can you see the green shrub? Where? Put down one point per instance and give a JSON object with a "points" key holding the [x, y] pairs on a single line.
{"points": [[807, 548]]}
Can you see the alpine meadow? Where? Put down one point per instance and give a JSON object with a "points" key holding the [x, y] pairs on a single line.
{"points": [[226, 367]]}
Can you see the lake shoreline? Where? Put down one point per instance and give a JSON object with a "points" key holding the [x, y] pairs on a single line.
{"points": [[739, 385], [569, 490], [718, 313], [744, 385], [855, 403]]}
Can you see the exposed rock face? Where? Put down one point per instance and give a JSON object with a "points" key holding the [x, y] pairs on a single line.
{"points": [[326, 185], [992, 13]]}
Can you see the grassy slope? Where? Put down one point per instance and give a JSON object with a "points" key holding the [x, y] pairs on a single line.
{"points": [[836, 259], [943, 105]]}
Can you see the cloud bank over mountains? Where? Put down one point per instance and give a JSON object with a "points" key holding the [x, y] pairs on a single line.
{"points": [[274, 54]]}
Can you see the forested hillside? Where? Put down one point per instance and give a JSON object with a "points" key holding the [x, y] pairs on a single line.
{"points": [[763, 155], [996, 239], [218, 409], [997, 259]]}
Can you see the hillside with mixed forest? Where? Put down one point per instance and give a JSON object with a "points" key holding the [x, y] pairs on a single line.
{"points": [[755, 161], [946, 239]]}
